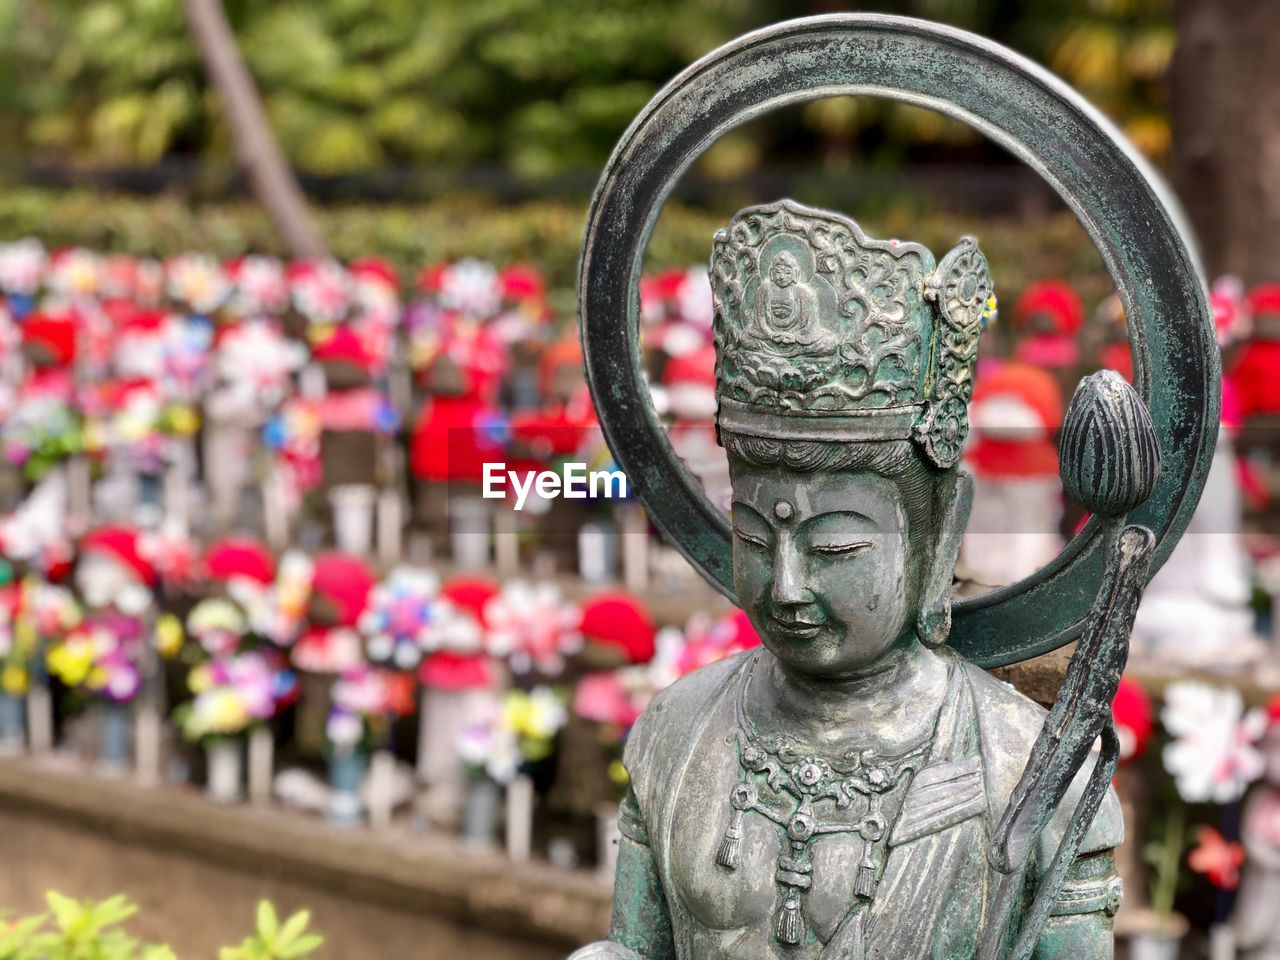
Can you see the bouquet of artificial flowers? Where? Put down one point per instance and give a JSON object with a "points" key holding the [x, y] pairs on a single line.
{"points": [[365, 699], [396, 625], [232, 693], [100, 657]]}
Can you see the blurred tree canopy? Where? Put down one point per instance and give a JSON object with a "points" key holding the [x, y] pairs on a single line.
{"points": [[537, 88]]}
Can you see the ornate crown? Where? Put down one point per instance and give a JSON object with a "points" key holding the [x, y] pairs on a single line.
{"points": [[824, 334]]}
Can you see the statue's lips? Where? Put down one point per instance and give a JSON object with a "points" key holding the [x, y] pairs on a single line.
{"points": [[795, 629]]}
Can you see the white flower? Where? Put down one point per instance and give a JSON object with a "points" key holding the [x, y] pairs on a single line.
{"points": [[680, 339], [22, 265], [451, 628], [1212, 757], [471, 286], [198, 281], [539, 714], [260, 286], [323, 294], [533, 625], [694, 300], [504, 758], [74, 272], [258, 358], [344, 729], [491, 748]]}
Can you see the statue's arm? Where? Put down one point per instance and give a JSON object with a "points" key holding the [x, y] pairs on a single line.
{"points": [[641, 924], [1082, 924]]}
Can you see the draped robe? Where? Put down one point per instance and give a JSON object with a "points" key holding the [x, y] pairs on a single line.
{"points": [[934, 886]]}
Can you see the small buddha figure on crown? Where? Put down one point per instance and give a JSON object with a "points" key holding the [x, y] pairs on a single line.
{"points": [[786, 309]]}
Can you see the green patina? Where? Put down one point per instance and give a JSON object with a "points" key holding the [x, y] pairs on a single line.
{"points": [[848, 823], [1120, 201]]}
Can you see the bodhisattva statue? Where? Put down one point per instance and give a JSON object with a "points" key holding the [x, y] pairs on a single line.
{"points": [[835, 794], [858, 789]]}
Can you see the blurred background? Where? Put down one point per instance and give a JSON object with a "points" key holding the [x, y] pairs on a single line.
{"points": [[277, 279]]}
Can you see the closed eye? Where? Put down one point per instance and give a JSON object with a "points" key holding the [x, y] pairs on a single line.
{"points": [[842, 549], [750, 538]]}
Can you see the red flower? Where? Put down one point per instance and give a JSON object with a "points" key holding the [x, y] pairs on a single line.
{"points": [[1131, 710], [1217, 859], [1273, 711], [401, 690]]}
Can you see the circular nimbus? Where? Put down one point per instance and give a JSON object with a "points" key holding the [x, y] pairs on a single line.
{"points": [[1018, 105]]}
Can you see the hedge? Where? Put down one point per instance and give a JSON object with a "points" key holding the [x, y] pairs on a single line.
{"points": [[546, 232]]}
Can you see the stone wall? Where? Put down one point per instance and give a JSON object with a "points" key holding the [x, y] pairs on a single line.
{"points": [[197, 871]]}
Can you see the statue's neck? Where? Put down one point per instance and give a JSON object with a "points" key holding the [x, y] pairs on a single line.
{"points": [[887, 708]]}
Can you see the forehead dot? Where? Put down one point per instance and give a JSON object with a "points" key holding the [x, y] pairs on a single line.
{"points": [[782, 510]]}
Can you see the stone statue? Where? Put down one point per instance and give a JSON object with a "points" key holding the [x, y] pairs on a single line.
{"points": [[859, 788], [835, 794], [1257, 934]]}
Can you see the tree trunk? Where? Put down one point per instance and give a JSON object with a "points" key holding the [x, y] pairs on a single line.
{"points": [[1226, 126], [270, 177]]}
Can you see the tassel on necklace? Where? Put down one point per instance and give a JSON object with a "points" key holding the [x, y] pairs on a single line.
{"points": [[790, 924], [730, 853], [864, 883]]}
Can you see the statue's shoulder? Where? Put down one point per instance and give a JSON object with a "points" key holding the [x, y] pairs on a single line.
{"points": [[664, 733], [1009, 723]]}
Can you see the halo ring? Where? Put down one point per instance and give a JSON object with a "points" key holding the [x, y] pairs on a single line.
{"points": [[1121, 203]]}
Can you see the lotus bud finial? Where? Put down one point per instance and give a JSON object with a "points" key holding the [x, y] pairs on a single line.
{"points": [[1109, 456]]}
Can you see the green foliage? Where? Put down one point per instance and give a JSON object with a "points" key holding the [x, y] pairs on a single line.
{"points": [[545, 233], [537, 88], [108, 81], [276, 941], [1118, 54], [353, 85], [89, 930], [82, 930]]}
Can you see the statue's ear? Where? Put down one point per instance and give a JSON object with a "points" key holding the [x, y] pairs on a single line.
{"points": [[953, 498]]}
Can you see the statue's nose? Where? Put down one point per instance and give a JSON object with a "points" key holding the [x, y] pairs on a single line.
{"points": [[788, 576]]}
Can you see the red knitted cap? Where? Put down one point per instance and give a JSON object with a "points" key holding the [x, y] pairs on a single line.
{"points": [[471, 594], [56, 334], [1264, 300], [345, 581], [240, 557], [1035, 387], [1053, 297], [121, 543], [618, 619]]}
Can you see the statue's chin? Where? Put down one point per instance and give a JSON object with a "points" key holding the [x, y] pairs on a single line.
{"points": [[824, 657], [834, 654]]}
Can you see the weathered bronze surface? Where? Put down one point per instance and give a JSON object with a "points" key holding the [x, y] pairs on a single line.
{"points": [[1019, 105], [859, 789]]}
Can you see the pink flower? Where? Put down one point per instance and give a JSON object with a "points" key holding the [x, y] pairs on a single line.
{"points": [[533, 625], [706, 642], [322, 650], [322, 293], [602, 698], [260, 286], [1213, 756]]}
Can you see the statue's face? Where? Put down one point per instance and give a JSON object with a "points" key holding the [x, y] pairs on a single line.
{"points": [[784, 270], [820, 562]]}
